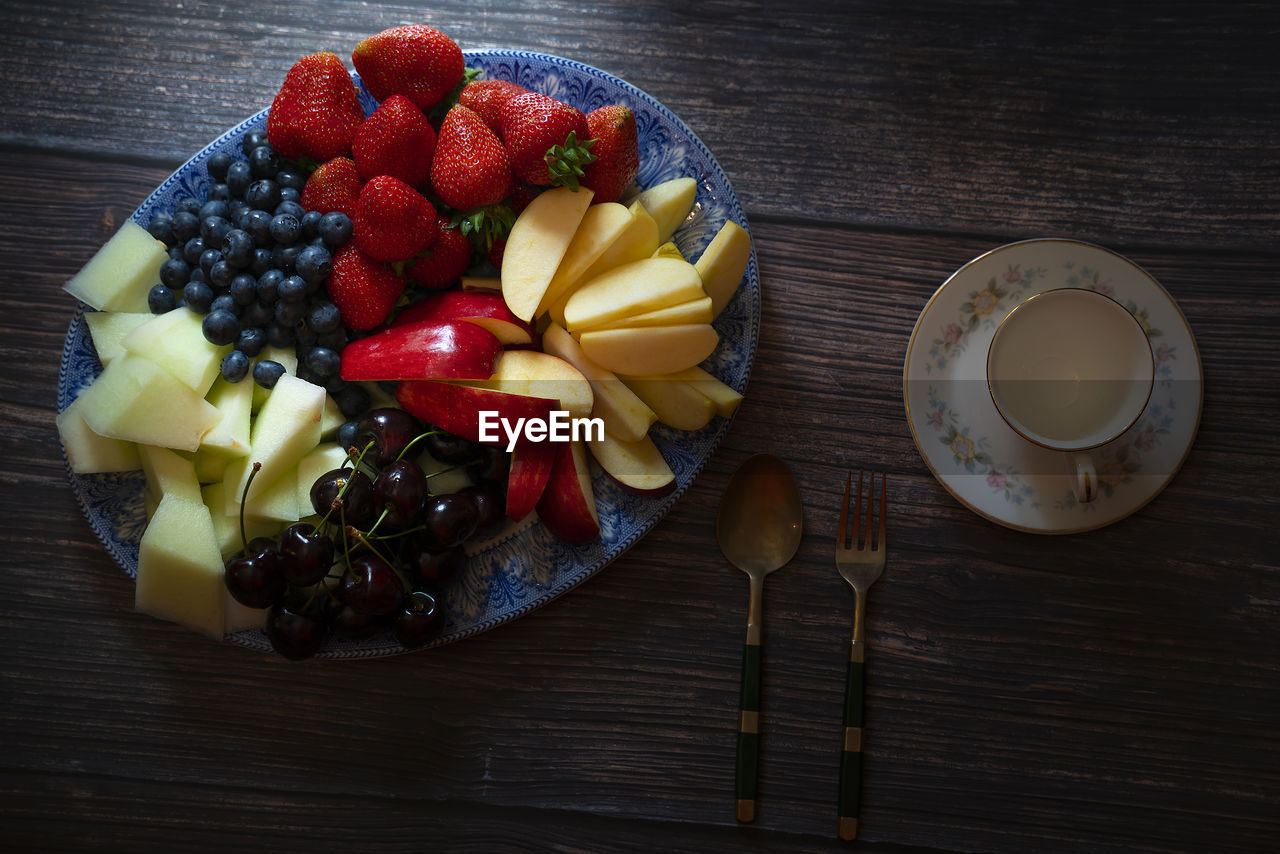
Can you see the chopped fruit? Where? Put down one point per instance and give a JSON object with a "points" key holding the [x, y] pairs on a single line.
{"points": [[397, 140], [723, 263], [456, 407], [393, 221], [316, 111], [334, 186], [541, 375], [546, 139], [119, 275], [677, 404], [286, 429], [637, 467], [123, 401], [650, 349], [616, 150], [180, 568], [415, 60], [442, 265], [486, 309], [537, 244], [108, 330], [89, 453], [531, 465], [601, 225], [635, 288], [176, 341], [693, 311], [624, 414], [364, 289], [448, 350], [568, 502], [670, 204]]}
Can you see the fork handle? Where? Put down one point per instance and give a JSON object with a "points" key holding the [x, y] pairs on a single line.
{"points": [[748, 761], [850, 793]]}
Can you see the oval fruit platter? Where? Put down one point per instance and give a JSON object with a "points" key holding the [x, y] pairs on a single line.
{"points": [[519, 566]]}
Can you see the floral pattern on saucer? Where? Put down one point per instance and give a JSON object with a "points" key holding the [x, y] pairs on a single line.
{"points": [[970, 449]]}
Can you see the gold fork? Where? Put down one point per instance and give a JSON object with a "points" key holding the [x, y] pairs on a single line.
{"points": [[860, 562]]}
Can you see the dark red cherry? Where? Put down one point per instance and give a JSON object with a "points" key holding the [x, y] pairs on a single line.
{"points": [[400, 490], [295, 632], [356, 492], [450, 449], [389, 431], [449, 519], [306, 554], [255, 577], [370, 586], [419, 621], [439, 569]]}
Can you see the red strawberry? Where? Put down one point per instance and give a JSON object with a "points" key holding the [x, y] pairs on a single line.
{"points": [[520, 194], [617, 151], [393, 221], [316, 111], [486, 97], [547, 140], [364, 289], [334, 186], [395, 140], [470, 168], [444, 263], [415, 60]]}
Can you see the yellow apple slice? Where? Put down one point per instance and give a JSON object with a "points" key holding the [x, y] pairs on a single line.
{"points": [[670, 204], [724, 396], [649, 350], [723, 263], [637, 466], [634, 288], [677, 404], [601, 226], [536, 244], [693, 311], [119, 275], [624, 415], [531, 373]]}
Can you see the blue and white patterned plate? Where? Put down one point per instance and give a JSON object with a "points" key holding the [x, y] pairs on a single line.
{"points": [[524, 568], [977, 457]]}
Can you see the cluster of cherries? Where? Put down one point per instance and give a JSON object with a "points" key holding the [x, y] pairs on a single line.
{"points": [[386, 546]]}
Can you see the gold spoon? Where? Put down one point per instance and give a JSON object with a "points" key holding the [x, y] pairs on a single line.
{"points": [[761, 516]]}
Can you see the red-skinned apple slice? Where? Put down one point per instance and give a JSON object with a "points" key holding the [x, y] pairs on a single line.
{"points": [[486, 309], [456, 408], [637, 466], [450, 350], [568, 503], [531, 466]]}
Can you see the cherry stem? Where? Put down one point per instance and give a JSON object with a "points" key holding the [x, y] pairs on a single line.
{"points": [[244, 499]]}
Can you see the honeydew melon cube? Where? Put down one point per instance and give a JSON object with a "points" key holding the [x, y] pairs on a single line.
{"points": [[89, 453], [234, 401], [331, 418], [119, 275], [275, 502], [325, 458], [136, 400], [180, 567], [670, 204], [168, 473], [175, 341], [284, 431], [108, 329], [211, 465], [226, 527]]}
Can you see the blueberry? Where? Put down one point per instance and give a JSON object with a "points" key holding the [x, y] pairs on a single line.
{"points": [[237, 208], [289, 313], [174, 252], [305, 337], [221, 273], [347, 434], [292, 178], [161, 299], [208, 258], [175, 273], [323, 362], [263, 161], [186, 225], [251, 341], [238, 178], [292, 209], [285, 229], [335, 228], [279, 336], [193, 249], [237, 248], [252, 140], [291, 194], [314, 263], [324, 317], [257, 314], [161, 228], [258, 224], [235, 366], [311, 224], [352, 400], [218, 193], [269, 286], [198, 296], [215, 207], [220, 327], [218, 164], [190, 204], [335, 339], [198, 275], [267, 373], [224, 302], [263, 194], [213, 229], [285, 257], [243, 289], [293, 289]]}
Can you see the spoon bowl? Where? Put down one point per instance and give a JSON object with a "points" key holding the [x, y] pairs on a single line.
{"points": [[759, 528]]}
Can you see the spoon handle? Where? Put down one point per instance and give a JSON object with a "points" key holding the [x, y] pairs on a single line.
{"points": [[748, 763]]}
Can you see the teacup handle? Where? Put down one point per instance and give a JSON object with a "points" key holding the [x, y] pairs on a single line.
{"points": [[1084, 477]]}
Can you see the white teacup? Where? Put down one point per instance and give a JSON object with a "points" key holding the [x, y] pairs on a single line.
{"points": [[1071, 370]]}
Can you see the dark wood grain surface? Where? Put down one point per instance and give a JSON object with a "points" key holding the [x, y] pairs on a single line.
{"points": [[1112, 691]]}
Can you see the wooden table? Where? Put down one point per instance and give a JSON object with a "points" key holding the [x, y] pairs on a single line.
{"points": [[1111, 691]]}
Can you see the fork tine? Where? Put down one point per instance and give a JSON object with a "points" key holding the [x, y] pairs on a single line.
{"points": [[842, 533], [871, 501], [880, 535], [857, 513]]}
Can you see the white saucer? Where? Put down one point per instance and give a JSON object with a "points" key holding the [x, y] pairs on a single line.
{"points": [[977, 457]]}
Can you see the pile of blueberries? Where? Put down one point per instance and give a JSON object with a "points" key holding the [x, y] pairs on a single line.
{"points": [[253, 262]]}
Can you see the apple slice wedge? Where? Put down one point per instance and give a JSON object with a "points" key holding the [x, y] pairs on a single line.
{"points": [[641, 286], [568, 503], [536, 244], [449, 350], [647, 350], [723, 263], [678, 404], [624, 414], [638, 467], [535, 374], [456, 407], [486, 309], [531, 465]]}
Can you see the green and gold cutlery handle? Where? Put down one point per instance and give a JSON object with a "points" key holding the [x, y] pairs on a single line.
{"points": [[748, 764], [850, 793]]}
